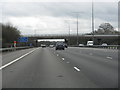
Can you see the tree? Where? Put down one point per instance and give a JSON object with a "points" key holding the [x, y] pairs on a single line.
{"points": [[9, 33], [106, 28]]}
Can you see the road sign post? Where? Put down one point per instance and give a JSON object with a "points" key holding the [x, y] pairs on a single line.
{"points": [[15, 43]]}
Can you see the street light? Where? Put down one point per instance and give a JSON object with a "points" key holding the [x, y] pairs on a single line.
{"points": [[69, 29], [92, 21], [35, 32], [77, 13]]}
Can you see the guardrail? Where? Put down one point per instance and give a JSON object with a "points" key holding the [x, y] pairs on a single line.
{"points": [[105, 47], [100, 46], [13, 48]]}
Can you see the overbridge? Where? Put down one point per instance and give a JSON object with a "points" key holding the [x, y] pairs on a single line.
{"points": [[72, 39]]}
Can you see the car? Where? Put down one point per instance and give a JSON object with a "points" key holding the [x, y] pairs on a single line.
{"points": [[51, 46], [104, 44], [43, 45], [81, 45], [60, 46], [89, 43]]}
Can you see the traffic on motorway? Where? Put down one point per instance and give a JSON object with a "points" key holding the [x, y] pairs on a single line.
{"points": [[74, 67], [63, 44]]}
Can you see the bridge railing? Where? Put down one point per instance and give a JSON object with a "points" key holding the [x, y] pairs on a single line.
{"points": [[13, 48]]}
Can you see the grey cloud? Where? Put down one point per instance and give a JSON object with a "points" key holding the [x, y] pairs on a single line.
{"points": [[105, 11], [53, 9]]}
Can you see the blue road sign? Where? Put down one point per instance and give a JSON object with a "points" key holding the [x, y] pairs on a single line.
{"points": [[23, 39], [30, 44]]}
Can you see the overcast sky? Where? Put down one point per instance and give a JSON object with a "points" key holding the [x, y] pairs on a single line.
{"points": [[35, 17]]}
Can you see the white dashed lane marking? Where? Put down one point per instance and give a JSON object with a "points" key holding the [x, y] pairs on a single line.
{"points": [[91, 54], [63, 59], [67, 62], [77, 69], [109, 57]]}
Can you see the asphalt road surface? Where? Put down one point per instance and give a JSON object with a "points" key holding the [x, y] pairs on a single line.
{"points": [[73, 67]]}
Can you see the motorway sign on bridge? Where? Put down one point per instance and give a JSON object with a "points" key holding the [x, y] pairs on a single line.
{"points": [[23, 39]]}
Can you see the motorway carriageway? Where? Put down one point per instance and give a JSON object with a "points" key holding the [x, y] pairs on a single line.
{"points": [[74, 67]]}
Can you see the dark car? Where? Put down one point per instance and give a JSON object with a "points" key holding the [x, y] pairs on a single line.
{"points": [[60, 46]]}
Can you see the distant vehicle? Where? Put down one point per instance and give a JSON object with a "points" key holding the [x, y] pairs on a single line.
{"points": [[43, 45], [104, 44], [60, 46], [89, 43], [81, 45], [65, 45], [51, 46]]}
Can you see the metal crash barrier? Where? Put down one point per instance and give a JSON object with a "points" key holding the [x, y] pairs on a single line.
{"points": [[105, 47], [13, 49]]}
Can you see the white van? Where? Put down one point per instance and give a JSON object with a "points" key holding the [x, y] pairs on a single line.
{"points": [[89, 43]]}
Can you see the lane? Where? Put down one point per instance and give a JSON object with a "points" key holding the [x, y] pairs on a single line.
{"points": [[9, 56], [100, 70], [97, 52], [44, 69], [17, 59]]}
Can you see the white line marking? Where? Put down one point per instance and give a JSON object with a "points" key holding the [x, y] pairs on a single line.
{"points": [[63, 59], [91, 54], [67, 62], [109, 57], [4, 66], [76, 69]]}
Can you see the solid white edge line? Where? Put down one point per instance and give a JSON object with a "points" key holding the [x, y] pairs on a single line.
{"points": [[76, 69], [4, 66]]}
